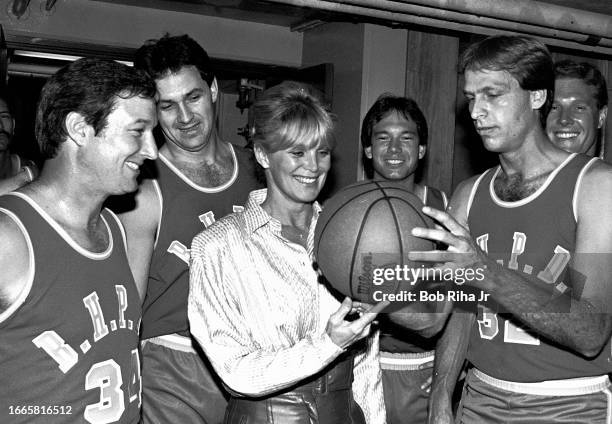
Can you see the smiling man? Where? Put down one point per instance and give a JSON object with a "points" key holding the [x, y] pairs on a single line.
{"points": [[69, 307], [394, 138], [579, 109], [197, 179]]}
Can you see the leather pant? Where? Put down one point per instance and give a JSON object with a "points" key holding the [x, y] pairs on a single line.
{"points": [[325, 398]]}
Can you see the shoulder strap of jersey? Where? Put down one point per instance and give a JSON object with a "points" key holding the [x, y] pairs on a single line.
{"points": [[477, 185], [435, 198], [116, 227], [585, 167]]}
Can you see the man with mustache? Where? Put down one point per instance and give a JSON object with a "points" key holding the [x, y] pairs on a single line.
{"points": [[197, 179], [580, 108], [14, 171]]}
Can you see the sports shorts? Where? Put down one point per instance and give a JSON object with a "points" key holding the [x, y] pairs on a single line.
{"points": [[179, 384], [405, 401], [577, 400]]}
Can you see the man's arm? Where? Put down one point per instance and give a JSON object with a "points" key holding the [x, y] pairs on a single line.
{"points": [[141, 224], [16, 275], [428, 318], [451, 352], [586, 326], [451, 349]]}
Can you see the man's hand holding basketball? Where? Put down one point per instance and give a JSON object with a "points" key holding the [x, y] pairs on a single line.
{"points": [[344, 333], [462, 251]]}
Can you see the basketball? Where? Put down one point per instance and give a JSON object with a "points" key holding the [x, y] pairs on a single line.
{"points": [[363, 236]]}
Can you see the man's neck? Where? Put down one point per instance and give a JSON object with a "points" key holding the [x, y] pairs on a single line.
{"points": [[69, 200], [536, 155], [214, 151], [210, 167], [74, 209], [408, 183], [593, 150], [525, 170]]}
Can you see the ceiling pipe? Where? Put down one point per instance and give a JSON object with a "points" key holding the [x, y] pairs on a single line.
{"points": [[452, 16], [530, 12], [436, 23], [32, 69]]}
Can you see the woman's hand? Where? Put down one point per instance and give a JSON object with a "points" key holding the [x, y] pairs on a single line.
{"points": [[344, 333]]}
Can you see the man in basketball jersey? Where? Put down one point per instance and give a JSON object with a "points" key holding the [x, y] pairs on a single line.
{"points": [[197, 179], [394, 140], [14, 170], [536, 328], [69, 307], [580, 108]]}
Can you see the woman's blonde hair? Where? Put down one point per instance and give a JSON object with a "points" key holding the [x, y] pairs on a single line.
{"points": [[288, 114]]}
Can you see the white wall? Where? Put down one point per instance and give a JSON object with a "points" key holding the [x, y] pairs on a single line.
{"points": [[368, 60], [342, 45], [384, 69]]}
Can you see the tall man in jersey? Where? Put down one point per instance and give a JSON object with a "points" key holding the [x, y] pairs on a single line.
{"points": [[394, 140], [69, 307], [580, 108], [539, 229], [197, 179]]}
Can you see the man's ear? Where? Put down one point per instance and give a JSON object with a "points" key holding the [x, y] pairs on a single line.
{"points": [[603, 113], [77, 128], [214, 90], [367, 151], [261, 156], [422, 151], [538, 98]]}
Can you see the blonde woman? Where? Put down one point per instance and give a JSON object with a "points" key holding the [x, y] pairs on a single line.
{"points": [[276, 336]]}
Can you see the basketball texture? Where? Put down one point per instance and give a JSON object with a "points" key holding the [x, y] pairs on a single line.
{"points": [[364, 228]]}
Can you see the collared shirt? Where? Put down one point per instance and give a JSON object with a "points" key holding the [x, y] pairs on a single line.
{"points": [[258, 311]]}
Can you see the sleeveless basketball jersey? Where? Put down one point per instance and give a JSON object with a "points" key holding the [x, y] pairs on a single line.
{"points": [[186, 210], [535, 237], [69, 345], [393, 337]]}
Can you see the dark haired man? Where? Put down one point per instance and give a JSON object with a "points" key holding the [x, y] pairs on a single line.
{"points": [[198, 178], [394, 139], [539, 229], [14, 170], [580, 108], [69, 307]]}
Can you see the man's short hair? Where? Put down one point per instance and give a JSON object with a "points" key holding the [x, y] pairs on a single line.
{"points": [[169, 54], [525, 58], [586, 72], [89, 87], [386, 104]]}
